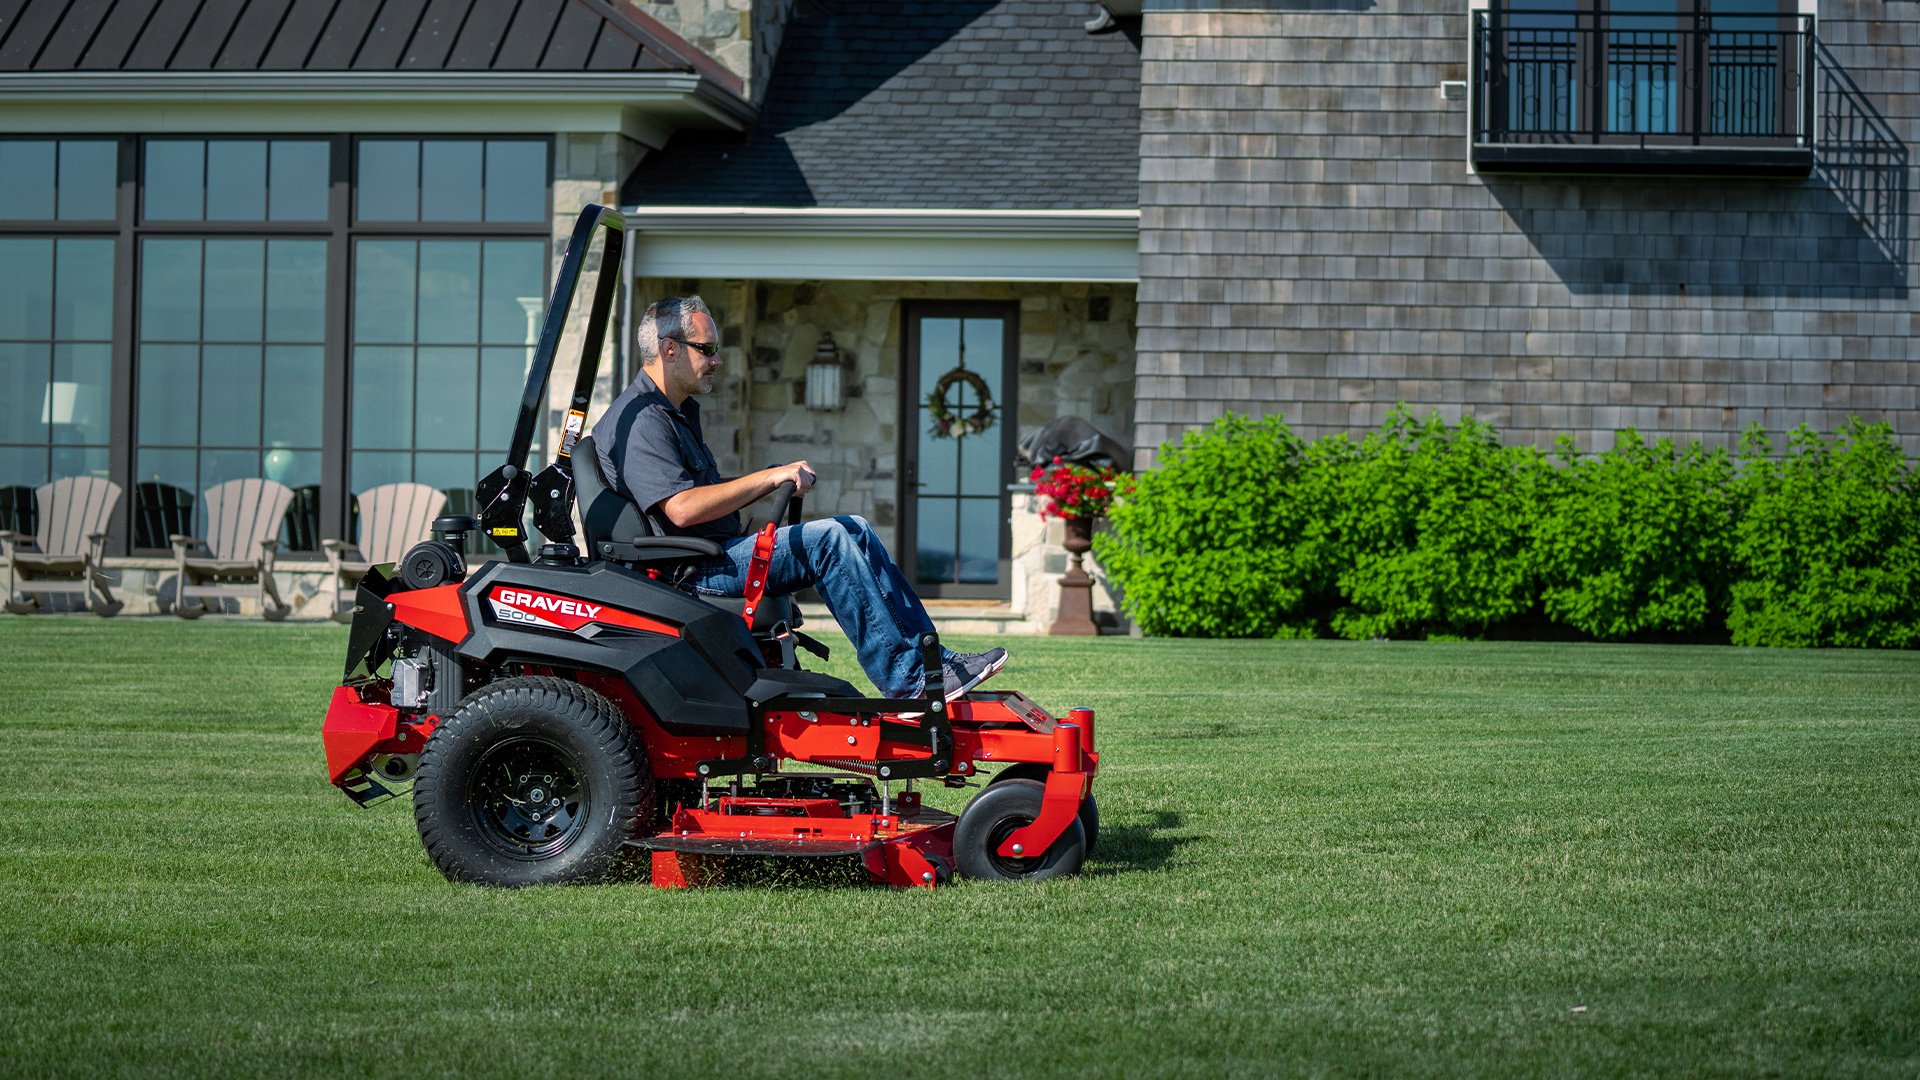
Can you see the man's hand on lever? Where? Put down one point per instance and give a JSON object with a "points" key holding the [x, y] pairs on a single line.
{"points": [[699, 505]]}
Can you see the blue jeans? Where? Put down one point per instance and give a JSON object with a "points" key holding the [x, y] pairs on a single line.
{"points": [[863, 588]]}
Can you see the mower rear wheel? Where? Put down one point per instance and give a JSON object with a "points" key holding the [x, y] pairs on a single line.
{"points": [[992, 816], [1089, 810], [532, 781]]}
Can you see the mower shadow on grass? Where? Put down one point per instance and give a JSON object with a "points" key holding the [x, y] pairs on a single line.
{"points": [[1126, 849]]}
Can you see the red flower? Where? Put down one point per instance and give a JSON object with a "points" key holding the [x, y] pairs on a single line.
{"points": [[1073, 491]]}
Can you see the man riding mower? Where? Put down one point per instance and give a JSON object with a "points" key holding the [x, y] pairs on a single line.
{"points": [[556, 713]]}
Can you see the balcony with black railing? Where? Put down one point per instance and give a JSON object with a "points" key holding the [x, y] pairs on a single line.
{"points": [[1564, 91]]}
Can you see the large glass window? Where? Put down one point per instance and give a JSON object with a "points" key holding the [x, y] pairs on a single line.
{"points": [[235, 180], [56, 360], [259, 332], [231, 369], [443, 331], [56, 318], [58, 179], [453, 180]]}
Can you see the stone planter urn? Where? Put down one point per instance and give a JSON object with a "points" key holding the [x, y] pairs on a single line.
{"points": [[1075, 618]]}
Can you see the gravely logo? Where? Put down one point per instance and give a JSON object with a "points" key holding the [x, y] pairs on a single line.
{"points": [[563, 612]]}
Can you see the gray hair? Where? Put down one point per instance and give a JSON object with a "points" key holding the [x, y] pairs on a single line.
{"points": [[666, 318]]}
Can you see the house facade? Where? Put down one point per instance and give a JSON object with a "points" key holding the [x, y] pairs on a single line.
{"points": [[1561, 217], [309, 241]]}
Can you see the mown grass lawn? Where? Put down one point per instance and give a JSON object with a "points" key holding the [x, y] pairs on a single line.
{"points": [[1317, 857]]}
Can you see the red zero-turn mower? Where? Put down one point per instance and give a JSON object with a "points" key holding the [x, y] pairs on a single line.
{"points": [[554, 714]]}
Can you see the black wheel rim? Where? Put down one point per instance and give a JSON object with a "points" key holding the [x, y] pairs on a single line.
{"points": [[527, 798], [1010, 865]]}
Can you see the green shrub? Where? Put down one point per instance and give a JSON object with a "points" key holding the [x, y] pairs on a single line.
{"points": [[1638, 539], [1828, 542], [1432, 523], [1223, 538]]}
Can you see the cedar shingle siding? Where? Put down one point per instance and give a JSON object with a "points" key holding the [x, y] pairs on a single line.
{"points": [[1312, 244]]}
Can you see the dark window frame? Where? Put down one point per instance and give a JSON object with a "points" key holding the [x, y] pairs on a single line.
{"points": [[129, 229]]}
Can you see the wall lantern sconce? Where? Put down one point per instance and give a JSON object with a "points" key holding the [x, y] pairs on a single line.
{"points": [[824, 390]]}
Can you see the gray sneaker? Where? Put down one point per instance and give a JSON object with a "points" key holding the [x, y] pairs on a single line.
{"points": [[964, 671]]}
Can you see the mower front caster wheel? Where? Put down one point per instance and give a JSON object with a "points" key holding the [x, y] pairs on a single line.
{"points": [[532, 781], [992, 816], [1089, 810]]}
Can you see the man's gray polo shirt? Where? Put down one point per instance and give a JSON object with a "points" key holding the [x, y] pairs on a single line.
{"points": [[651, 451]]}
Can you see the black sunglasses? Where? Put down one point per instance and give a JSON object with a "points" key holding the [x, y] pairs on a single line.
{"points": [[704, 348]]}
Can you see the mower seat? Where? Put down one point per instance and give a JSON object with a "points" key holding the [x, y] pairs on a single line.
{"points": [[618, 530]]}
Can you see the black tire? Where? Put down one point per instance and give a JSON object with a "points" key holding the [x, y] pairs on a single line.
{"points": [[1089, 810], [999, 810], [532, 781]]}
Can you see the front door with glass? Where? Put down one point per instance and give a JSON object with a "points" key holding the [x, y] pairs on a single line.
{"points": [[957, 441]]}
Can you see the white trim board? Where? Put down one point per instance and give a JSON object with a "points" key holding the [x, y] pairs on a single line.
{"points": [[645, 106], [813, 244]]}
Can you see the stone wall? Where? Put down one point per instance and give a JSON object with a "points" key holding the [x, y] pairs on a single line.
{"points": [[743, 35], [1076, 357], [1313, 244]]}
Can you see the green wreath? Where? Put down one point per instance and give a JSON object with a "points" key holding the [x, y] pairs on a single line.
{"points": [[948, 425]]}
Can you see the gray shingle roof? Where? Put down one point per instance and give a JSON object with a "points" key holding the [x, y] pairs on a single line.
{"points": [[340, 35], [946, 103]]}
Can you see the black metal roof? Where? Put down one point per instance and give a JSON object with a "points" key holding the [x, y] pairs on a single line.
{"points": [[972, 104], [340, 35]]}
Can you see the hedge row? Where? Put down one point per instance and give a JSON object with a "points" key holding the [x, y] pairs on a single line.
{"points": [[1423, 529]]}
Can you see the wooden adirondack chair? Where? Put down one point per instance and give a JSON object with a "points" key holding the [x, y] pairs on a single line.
{"points": [[243, 519], [393, 518], [63, 555]]}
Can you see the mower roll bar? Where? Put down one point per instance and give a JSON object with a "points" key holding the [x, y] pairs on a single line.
{"points": [[503, 493]]}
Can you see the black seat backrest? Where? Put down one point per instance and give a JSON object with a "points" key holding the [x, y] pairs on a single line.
{"points": [[605, 514]]}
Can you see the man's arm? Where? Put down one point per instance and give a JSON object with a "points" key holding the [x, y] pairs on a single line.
{"points": [[699, 505]]}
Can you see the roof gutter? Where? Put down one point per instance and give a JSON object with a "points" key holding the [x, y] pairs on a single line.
{"points": [[648, 105]]}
